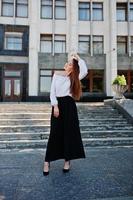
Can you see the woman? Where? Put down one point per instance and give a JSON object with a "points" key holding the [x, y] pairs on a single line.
{"points": [[65, 138]]}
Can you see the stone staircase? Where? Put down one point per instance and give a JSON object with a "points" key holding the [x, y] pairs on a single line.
{"points": [[27, 125]]}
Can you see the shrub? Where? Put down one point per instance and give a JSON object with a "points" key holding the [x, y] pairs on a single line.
{"points": [[120, 80]]}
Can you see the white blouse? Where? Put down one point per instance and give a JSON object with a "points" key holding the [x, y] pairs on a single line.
{"points": [[60, 85]]}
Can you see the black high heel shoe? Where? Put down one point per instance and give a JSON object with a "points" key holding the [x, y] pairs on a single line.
{"points": [[46, 173], [66, 170]]}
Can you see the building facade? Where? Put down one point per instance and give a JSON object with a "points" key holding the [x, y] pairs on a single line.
{"points": [[37, 37]]}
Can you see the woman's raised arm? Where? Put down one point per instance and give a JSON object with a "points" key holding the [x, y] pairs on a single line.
{"points": [[82, 68]]}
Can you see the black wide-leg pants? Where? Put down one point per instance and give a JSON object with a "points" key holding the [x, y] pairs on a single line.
{"points": [[65, 138]]}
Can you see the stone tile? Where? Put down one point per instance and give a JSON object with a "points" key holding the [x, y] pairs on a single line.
{"points": [[7, 193]]}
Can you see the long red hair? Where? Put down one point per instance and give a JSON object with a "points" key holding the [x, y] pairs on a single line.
{"points": [[75, 87]]}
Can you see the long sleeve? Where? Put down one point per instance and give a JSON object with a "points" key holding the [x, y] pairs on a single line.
{"points": [[53, 98], [83, 69]]}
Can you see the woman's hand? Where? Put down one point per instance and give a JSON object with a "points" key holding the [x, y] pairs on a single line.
{"points": [[56, 111], [75, 56]]}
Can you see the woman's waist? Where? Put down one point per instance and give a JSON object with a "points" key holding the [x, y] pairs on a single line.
{"points": [[64, 96]]}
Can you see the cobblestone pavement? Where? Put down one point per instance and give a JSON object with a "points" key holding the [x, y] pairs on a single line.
{"points": [[105, 174]]}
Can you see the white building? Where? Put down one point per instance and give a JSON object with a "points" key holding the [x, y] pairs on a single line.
{"points": [[37, 36]]}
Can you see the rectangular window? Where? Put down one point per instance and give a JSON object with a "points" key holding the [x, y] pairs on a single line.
{"points": [[85, 83], [84, 11], [93, 82], [13, 41], [97, 11], [46, 43], [132, 44], [45, 80], [98, 45], [98, 81], [121, 44], [12, 73], [132, 81], [8, 8], [22, 8], [60, 44], [131, 11], [60, 9], [84, 43], [121, 11], [46, 9]]}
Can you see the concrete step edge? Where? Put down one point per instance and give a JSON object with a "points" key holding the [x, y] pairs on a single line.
{"points": [[83, 132], [45, 119], [80, 119], [108, 139], [25, 113], [48, 125], [84, 139]]}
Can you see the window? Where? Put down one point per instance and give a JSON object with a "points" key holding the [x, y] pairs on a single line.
{"points": [[132, 81], [84, 11], [131, 11], [132, 45], [13, 41], [84, 43], [85, 84], [97, 11], [46, 43], [8, 8], [93, 82], [22, 8], [60, 9], [46, 9], [121, 12], [97, 44], [98, 81], [12, 73], [60, 44], [45, 80], [121, 44]]}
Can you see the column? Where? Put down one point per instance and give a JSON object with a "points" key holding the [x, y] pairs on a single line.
{"points": [[111, 45], [129, 30], [0, 8], [73, 26], [34, 41]]}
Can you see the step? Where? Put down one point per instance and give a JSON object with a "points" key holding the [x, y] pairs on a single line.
{"points": [[81, 117], [89, 142], [98, 111], [25, 116], [5, 122], [44, 135], [49, 113], [41, 128], [100, 120], [83, 126], [21, 109], [106, 127], [23, 121], [44, 108]]}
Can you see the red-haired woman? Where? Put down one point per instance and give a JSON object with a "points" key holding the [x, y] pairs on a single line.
{"points": [[65, 140]]}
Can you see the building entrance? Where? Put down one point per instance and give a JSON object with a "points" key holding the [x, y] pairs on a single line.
{"points": [[12, 85]]}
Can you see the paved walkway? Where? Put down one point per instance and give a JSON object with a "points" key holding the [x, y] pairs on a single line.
{"points": [[105, 174]]}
